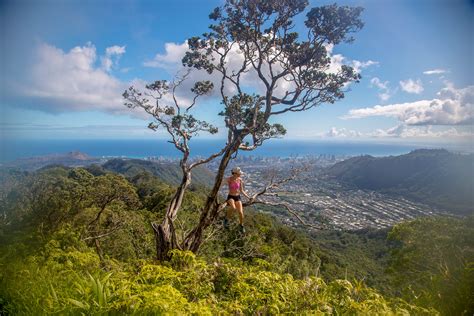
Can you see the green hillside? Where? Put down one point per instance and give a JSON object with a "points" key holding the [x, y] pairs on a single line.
{"points": [[168, 172], [436, 177], [77, 243]]}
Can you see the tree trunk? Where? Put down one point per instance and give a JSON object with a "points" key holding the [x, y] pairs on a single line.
{"points": [[164, 239], [210, 210], [165, 235], [99, 250]]}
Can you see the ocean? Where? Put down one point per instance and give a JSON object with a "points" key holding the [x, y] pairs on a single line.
{"points": [[11, 150]]}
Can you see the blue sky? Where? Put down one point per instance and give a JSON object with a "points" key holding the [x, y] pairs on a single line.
{"points": [[65, 64]]}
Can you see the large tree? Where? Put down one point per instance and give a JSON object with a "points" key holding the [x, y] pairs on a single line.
{"points": [[289, 72]]}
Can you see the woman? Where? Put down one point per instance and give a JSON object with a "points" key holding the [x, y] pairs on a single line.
{"points": [[236, 186]]}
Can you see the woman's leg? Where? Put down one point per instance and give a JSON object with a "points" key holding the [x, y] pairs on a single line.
{"points": [[240, 210], [231, 207]]}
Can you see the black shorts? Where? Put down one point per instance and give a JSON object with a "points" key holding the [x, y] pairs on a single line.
{"points": [[233, 197]]}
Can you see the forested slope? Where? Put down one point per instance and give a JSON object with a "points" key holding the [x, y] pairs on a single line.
{"points": [[75, 242], [168, 172]]}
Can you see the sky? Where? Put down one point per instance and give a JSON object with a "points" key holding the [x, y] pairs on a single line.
{"points": [[64, 65]]}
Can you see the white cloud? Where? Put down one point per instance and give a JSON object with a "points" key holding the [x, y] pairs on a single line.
{"points": [[412, 86], [81, 79], [115, 50], [337, 60], [378, 83], [68, 131], [404, 131], [452, 107], [399, 131], [435, 72], [72, 81], [342, 133], [384, 96], [359, 65], [385, 92], [170, 60], [172, 57], [112, 55]]}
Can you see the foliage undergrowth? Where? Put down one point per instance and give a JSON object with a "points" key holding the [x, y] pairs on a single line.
{"points": [[67, 277], [76, 243]]}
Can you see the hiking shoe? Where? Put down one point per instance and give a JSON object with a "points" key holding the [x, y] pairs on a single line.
{"points": [[226, 223], [242, 229]]}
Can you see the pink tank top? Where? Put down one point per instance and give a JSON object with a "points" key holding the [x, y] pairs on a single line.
{"points": [[234, 186]]}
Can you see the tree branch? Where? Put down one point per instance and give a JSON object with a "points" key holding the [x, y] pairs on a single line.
{"points": [[111, 231], [211, 157]]}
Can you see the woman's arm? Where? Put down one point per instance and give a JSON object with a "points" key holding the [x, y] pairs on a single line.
{"points": [[242, 189]]}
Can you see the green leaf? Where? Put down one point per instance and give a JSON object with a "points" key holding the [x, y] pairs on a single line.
{"points": [[79, 304]]}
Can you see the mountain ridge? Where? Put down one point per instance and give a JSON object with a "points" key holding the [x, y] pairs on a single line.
{"points": [[168, 171], [72, 158], [433, 176]]}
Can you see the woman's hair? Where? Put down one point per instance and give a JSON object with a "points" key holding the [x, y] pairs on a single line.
{"points": [[236, 170]]}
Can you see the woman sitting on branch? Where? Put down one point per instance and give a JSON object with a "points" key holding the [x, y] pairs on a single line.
{"points": [[234, 201]]}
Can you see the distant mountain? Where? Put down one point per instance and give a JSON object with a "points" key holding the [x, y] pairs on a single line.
{"points": [[436, 177], [72, 159], [168, 172]]}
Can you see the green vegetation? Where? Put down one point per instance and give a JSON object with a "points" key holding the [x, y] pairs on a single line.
{"points": [[434, 264], [65, 277], [168, 172], [80, 242]]}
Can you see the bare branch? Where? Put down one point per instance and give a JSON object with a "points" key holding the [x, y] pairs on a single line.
{"points": [[288, 208], [111, 231], [211, 157], [254, 199], [178, 81], [295, 172], [247, 148]]}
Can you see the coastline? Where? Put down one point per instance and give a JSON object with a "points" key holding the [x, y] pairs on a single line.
{"points": [[161, 149]]}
